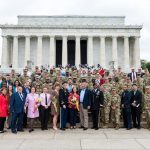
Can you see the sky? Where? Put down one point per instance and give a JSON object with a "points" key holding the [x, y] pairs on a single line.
{"points": [[136, 11]]}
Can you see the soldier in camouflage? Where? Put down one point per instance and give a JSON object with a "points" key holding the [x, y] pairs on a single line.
{"points": [[115, 108], [147, 105]]}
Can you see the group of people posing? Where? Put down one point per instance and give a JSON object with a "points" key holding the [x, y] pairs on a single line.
{"points": [[72, 95]]}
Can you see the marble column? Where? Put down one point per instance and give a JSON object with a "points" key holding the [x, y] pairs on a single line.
{"points": [[126, 60], [52, 61], [136, 54], [39, 51], [27, 50], [4, 59], [77, 52], [114, 51], [90, 51], [64, 52], [102, 52], [15, 52]]}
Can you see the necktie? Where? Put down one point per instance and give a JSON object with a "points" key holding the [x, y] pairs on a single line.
{"points": [[46, 99]]}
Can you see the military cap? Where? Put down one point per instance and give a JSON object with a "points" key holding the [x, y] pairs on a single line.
{"points": [[113, 89], [147, 87], [47, 78], [37, 76], [106, 78]]}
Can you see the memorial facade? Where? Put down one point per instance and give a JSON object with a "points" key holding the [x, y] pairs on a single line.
{"points": [[55, 40]]}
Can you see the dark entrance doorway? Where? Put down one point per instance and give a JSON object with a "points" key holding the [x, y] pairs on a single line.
{"points": [[83, 44], [71, 52], [58, 52]]}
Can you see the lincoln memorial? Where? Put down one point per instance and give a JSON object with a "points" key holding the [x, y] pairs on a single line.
{"points": [[55, 40]]}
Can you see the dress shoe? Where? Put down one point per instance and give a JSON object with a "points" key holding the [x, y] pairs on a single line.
{"points": [[14, 132], [31, 130], [63, 129], [138, 127], [85, 129], [93, 128]]}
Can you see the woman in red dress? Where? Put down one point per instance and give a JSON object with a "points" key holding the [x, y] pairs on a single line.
{"points": [[73, 104], [3, 109]]}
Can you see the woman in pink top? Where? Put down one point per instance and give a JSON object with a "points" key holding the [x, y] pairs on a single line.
{"points": [[32, 102]]}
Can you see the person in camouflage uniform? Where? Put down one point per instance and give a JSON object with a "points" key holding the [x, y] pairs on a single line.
{"points": [[37, 84], [147, 105], [34, 73], [48, 84], [106, 107], [146, 78], [13, 76], [23, 78], [52, 75], [115, 108], [107, 85], [140, 84]]}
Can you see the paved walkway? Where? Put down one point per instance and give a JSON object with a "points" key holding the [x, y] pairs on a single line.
{"points": [[103, 139]]}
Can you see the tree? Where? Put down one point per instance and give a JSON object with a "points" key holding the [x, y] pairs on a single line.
{"points": [[145, 64]]}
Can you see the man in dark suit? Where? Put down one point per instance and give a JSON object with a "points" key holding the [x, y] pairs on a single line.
{"points": [[63, 99], [97, 99], [126, 107], [132, 75], [136, 108], [17, 108], [85, 103]]}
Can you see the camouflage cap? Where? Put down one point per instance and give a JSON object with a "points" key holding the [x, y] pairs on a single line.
{"points": [[147, 87], [106, 78], [37, 76], [113, 89]]}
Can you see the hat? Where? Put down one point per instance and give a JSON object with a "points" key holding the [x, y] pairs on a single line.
{"points": [[106, 78], [25, 70], [37, 76], [113, 89], [47, 78], [147, 87]]}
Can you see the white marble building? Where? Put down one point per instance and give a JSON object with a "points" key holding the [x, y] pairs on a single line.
{"points": [[72, 40]]}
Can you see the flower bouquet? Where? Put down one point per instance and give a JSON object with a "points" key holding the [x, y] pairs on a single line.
{"points": [[37, 101]]}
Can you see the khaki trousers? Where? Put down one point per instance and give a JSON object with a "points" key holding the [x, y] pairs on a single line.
{"points": [[83, 116]]}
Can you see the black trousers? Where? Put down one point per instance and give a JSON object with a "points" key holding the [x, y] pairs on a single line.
{"points": [[127, 117], [95, 118], [2, 122], [73, 116], [25, 120], [136, 116], [44, 117]]}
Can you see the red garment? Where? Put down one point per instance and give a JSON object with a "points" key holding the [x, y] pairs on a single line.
{"points": [[3, 106], [71, 95], [102, 81], [102, 72]]}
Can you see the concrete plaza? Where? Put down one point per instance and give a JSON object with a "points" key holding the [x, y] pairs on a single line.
{"points": [[103, 139]]}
